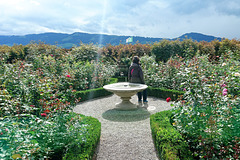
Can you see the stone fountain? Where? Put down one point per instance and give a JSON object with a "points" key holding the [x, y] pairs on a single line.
{"points": [[125, 91]]}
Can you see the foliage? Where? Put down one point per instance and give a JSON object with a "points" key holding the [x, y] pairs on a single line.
{"points": [[164, 93], [84, 148], [208, 114], [37, 92], [122, 55], [85, 52], [165, 49], [52, 136], [188, 48], [116, 53], [94, 93], [47, 83], [168, 141], [38, 81], [163, 75]]}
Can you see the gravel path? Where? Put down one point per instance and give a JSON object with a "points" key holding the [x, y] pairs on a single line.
{"points": [[125, 135]]}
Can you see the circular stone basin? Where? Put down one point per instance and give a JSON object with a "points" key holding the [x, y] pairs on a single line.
{"points": [[125, 90]]}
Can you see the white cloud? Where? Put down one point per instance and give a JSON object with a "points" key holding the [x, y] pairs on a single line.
{"points": [[154, 18], [35, 2]]}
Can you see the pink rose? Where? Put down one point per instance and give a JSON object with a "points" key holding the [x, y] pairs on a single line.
{"points": [[224, 85], [224, 92], [68, 76]]}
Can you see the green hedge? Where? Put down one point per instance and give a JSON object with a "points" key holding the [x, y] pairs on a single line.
{"points": [[80, 149], [164, 93], [94, 93], [85, 149], [155, 92], [168, 141], [122, 79]]}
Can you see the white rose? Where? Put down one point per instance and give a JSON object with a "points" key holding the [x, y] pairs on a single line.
{"points": [[237, 74]]}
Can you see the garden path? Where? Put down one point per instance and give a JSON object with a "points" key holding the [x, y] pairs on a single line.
{"points": [[124, 134]]}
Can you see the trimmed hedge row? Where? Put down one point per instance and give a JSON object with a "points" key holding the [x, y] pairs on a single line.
{"points": [[122, 79], [80, 149], [168, 141], [85, 149], [164, 93], [94, 93]]}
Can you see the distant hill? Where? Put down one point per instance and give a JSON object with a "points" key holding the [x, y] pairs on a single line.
{"points": [[69, 40], [199, 37]]}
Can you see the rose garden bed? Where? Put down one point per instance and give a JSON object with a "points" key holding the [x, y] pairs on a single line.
{"points": [[40, 84]]}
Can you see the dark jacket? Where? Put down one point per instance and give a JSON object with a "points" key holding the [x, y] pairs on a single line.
{"points": [[135, 74]]}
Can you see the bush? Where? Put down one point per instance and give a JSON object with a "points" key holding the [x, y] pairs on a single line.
{"points": [[122, 79], [163, 75], [42, 79], [162, 50], [164, 93], [168, 141], [208, 115], [49, 136], [17, 52], [165, 49], [36, 92], [48, 83], [85, 149], [94, 93], [121, 52], [85, 52]]}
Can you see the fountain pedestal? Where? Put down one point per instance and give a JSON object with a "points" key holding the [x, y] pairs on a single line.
{"points": [[126, 104], [125, 90]]}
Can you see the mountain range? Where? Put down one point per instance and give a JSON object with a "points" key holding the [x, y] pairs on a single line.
{"points": [[69, 40]]}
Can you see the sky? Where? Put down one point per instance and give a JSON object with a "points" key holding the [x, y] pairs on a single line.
{"points": [[146, 18]]}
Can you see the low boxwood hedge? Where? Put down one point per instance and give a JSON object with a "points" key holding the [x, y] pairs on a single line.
{"points": [[80, 149], [164, 93], [168, 141], [122, 79], [94, 93], [85, 149]]}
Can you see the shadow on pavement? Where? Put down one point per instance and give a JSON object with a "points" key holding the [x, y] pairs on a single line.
{"points": [[126, 116]]}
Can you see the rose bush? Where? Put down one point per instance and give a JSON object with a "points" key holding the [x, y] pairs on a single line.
{"points": [[208, 115], [36, 95], [47, 83], [32, 137], [163, 75], [38, 81]]}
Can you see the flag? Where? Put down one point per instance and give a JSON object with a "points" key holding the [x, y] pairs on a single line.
{"points": [[130, 39]]}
